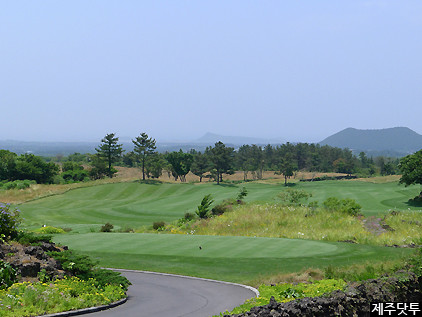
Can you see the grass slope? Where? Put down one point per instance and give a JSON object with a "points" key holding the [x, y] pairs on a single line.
{"points": [[236, 259], [136, 204]]}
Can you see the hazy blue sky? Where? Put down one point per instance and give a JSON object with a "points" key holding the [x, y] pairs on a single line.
{"points": [[293, 70]]}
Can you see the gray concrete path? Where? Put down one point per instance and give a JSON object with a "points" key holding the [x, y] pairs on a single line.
{"points": [[164, 295]]}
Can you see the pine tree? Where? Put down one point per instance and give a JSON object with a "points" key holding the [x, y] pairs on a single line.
{"points": [[110, 151]]}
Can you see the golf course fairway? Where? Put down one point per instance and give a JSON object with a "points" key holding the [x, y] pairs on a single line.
{"points": [[235, 259], [136, 204]]}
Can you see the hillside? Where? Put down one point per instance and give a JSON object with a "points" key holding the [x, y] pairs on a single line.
{"points": [[399, 141]]}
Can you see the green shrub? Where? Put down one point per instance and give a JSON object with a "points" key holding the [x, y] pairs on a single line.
{"points": [[9, 220], [347, 205], [287, 292], [158, 225], [18, 184], [189, 216], [293, 197], [226, 205], [186, 219], [107, 227], [204, 207], [77, 264], [29, 238], [83, 267], [104, 277], [7, 275], [49, 230]]}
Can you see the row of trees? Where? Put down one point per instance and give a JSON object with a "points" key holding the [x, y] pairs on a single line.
{"points": [[26, 166], [253, 160], [213, 163]]}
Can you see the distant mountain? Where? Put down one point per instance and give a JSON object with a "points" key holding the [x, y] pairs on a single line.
{"points": [[396, 142], [211, 139], [66, 148]]}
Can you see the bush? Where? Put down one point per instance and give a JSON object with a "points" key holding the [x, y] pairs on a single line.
{"points": [[49, 230], [7, 275], [29, 238], [347, 205], [158, 225], [9, 221], [18, 184], [189, 216], [83, 267], [104, 277], [74, 263], [293, 197], [107, 227], [225, 206]]}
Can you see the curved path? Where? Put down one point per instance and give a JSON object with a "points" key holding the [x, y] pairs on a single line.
{"points": [[166, 295]]}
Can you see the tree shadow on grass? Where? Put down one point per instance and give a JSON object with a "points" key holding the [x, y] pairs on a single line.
{"points": [[226, 185], [415, 202], [149, 181]]}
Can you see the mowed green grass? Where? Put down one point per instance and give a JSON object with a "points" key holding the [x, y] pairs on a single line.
{"points": [[136, 204], [236, 259]]}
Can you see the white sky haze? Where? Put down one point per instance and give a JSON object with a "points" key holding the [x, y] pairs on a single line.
{"points": [[294, 70]]}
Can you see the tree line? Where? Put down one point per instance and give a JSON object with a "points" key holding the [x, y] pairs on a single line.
{"points": [[253, 160], [213, 163]]}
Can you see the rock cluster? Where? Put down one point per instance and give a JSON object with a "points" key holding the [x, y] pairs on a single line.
{"points": [[355, 301], [30, 260]]}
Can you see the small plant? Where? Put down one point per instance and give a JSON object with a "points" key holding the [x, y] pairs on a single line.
{"points": [[189, 216], [7, 275], [242, 193], [204, 207], [158, 225], [43, 276], [107, 227]]}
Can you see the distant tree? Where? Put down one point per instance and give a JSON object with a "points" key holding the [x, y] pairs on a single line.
{"points": [[411, 169], [29, 166], [7, 165], [129, 159], [200, 165], [181, 163], [154, 165], [110, 151], [73, 172], [244, 160], [78, 157], [221, 160], [286, 163], [144, 148], [98, 167]]}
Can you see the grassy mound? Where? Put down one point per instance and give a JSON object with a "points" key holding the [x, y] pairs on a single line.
{"points": [[272, 220]]}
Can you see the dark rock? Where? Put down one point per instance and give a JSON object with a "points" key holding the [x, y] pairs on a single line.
{"points": [[29, 269], [402, 286], [49, 247]]}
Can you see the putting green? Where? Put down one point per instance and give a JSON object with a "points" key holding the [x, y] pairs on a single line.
{"points": [[188, 245], [236, 259]]}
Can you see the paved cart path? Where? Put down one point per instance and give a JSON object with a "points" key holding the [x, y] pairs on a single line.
{"points": [[165, 295]]}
